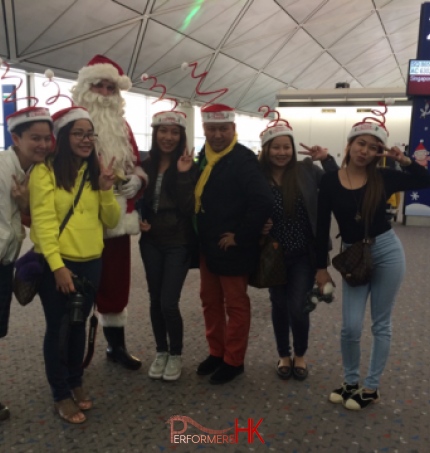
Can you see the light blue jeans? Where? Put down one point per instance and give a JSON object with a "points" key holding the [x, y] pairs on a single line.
{"points": [[387, 275]]}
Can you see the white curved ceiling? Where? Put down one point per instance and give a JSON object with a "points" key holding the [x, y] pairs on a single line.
{"points": [[253, 47]]}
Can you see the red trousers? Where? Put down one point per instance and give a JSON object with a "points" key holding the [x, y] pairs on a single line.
{"points": [[112, 296], [227, 313]]}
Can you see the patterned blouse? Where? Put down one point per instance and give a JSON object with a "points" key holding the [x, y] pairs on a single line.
{"points": [[294, 234]]}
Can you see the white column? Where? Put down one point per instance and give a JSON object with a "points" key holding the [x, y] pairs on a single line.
{"points": [[188, 109]]}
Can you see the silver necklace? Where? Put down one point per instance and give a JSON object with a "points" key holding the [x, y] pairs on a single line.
{"points": [[357, 216]]}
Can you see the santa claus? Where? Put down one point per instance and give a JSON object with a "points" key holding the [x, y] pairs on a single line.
{"points": [[98, 90]]}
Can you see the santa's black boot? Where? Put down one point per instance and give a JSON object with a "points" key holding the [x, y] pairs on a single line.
{"points": [[116, 350]]}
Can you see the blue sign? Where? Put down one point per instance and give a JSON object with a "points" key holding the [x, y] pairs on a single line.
{"points": [[417, 202], [8, 108]]}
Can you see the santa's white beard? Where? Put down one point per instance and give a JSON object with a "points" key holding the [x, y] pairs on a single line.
{"points": [[109, 124]]}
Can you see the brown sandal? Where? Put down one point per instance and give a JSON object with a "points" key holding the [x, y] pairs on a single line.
{"points": [[81, 399], [69, 411]]}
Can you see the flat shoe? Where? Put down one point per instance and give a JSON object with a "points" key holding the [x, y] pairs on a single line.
{"points": [[69, 411], [81, 399], [284, 372], [300, 373]]}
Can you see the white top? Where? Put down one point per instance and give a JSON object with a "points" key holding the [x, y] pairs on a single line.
{"points": [[12, 232]]}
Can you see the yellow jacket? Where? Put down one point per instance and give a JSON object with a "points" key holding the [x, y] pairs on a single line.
{"points": [[82, 238]]}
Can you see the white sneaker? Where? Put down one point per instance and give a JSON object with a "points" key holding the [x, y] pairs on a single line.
{"points": [[173, 368], [158, 366]]}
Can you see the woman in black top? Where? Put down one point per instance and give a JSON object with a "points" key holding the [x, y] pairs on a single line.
{"points": [[357, 195], [294, 185], [167, 236]]}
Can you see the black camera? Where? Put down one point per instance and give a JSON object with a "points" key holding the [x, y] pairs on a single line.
{"points": [[84, 289]]}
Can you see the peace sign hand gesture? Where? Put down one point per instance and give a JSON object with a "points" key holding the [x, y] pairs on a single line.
{"points": [[185, 162], [21, 194], [316, 152], [107, 176], [396, 154]]}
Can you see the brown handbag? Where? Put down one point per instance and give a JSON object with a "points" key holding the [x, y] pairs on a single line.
{"points": [[271, 269], [355, 263]]}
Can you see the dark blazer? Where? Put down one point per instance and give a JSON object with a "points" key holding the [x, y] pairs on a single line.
{"points": [[235, 199]]}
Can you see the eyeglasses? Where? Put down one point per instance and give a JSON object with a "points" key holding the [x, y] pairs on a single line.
{"points": [[79, 135]]}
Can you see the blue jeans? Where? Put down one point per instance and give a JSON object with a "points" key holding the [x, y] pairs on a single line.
{"points": [[387, 275], [288, 303], [166, 268], [63, 358]]}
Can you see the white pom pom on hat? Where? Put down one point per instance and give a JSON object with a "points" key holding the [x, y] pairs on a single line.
{"points": [[49, 74]]}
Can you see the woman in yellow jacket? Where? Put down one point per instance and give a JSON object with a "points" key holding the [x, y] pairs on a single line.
{"points": [[73, 257]]}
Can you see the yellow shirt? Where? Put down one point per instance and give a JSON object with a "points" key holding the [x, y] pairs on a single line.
{"points": [[82, 238]]}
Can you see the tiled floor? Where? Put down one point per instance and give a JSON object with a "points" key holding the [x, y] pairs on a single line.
{"points": [[131, 411]]}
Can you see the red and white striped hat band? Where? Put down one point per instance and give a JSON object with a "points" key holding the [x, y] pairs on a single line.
{"points": [[27, 115], [66, 116], [169, 118]]}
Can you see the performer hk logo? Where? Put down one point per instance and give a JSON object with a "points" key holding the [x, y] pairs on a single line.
{"points": [[211, 436]]}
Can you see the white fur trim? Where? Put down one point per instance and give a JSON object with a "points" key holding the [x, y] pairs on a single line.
{"points": [[72, 115], [104, 71], [128, 222], [131, 223], [169, 119], [369, 129], [113, 319], [218, 117], [27, 115], [275, 131]]}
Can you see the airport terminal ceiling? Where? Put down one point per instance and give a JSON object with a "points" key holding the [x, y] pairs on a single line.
{"points": [[253, 47]]}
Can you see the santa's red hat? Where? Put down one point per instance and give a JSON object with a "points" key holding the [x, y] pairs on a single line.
{"points": [[101, 67], [372, 125], [170, 118], [27, 115], [368, 128], [66, 116], [217, 113], [276, 130]]}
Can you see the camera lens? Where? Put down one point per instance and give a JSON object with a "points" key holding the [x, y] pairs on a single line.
{"points": [[77, 308]]}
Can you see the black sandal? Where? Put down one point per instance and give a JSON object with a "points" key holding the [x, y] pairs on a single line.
{"points": [[284, 371], [300, 373]]}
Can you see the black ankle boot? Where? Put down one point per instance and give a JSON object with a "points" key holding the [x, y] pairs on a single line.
{"points": [[4, 412], [116, 350]]}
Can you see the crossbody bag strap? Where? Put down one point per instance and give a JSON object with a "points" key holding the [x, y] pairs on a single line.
{"points": [[75, 201]]}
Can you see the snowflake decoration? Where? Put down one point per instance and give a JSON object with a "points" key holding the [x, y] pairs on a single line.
{"points": [[415, 196]]}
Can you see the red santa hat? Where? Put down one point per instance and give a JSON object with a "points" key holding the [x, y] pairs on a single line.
{"points": [[27, 115], [170, 118], [281, 127], [275, 128], [217, 113], [101, 67], [66, 116], [378, 130], [372, 125]]}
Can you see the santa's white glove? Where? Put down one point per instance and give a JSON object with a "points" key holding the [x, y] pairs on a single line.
{"points": [[130, 188]]}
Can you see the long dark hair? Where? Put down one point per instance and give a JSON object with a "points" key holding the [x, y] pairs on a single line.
{"points": [[375, 191], [152, 163], [65, 164], [290, 185]]}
